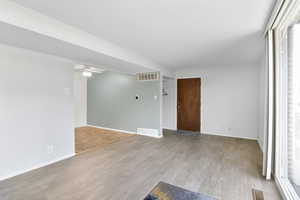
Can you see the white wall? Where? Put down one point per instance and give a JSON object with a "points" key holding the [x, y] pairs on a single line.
{"points": [[229, 99], [169, 104], [80, 99], [36, 104]]}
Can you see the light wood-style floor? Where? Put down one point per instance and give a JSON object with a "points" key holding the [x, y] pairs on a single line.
{"points": [[226, 168], [90, 138]]}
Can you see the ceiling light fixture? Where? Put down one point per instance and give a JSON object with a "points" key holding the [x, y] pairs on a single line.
{"points": [[88, 70], [87, 74]]}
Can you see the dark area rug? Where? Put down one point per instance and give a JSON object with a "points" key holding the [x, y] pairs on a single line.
{"points": [[165, 191]]}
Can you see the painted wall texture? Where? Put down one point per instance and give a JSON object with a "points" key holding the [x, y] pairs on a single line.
{"points": [[112, 103], [36, 103]]}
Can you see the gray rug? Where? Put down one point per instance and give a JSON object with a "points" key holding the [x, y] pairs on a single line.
{"points": [[165, 191]]}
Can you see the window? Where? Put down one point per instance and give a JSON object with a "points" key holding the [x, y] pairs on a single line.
{"points": [[293, 141], [287, 161]]}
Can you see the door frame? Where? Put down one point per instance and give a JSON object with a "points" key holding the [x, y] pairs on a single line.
{"points": [[201, 82]]}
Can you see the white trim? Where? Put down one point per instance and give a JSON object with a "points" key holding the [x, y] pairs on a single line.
{"points": [[286, 189], [278, 100], [80, 126], [274, 14], [231, 136], [112, 129], [269, 147], [187, 77], [283, 15], [288, 15], [266, 102], [161, 105], [261, 146], [36, 167], [175, 106]]}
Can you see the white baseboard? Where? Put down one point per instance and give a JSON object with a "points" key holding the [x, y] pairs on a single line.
{"points": [[260, 145], [232, 136], [140, 131], [36, 167], [112, 129], [81, 126]]}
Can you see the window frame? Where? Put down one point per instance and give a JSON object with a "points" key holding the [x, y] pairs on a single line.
{"points": [[288, 16]]}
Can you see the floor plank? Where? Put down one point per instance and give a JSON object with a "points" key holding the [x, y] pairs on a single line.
{"points": [[90, 138], [225, 168]]}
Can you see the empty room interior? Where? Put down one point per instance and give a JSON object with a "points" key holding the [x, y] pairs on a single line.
{"points": [[149, 100]]}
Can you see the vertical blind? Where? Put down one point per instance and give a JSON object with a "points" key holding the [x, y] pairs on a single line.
{"points": [[294, 104]]}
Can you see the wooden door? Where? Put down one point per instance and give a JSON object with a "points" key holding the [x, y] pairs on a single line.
{"points": [[188, 104]]}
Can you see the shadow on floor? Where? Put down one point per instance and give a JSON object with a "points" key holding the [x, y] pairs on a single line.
{"points": [[167, 132]]}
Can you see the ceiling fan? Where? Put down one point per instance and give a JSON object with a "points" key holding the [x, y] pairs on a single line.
{"points": [[87, 70]]}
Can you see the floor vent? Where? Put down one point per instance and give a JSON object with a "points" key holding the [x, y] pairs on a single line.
{"points": [[257, 194], [148, 76], [149, 132]]}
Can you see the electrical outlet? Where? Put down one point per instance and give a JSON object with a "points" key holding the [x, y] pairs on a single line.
{"points": [[50, 149]]}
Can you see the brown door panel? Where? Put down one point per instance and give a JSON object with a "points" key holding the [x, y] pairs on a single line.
{"points": [[188, 104]]}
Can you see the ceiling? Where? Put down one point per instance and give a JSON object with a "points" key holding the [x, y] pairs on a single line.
{"points": [[38, 42], [172, 33]]}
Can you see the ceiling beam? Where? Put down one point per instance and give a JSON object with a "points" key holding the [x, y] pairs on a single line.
{"points": [[31, 20]]}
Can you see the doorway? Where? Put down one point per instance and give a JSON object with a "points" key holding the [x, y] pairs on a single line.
{"points": [[188, 104]]}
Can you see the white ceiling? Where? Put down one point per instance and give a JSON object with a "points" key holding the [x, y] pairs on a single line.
{"points": [[22, 38], [172, 33]]}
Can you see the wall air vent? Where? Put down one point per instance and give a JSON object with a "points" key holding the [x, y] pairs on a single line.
{"points": [[148, 76]]}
